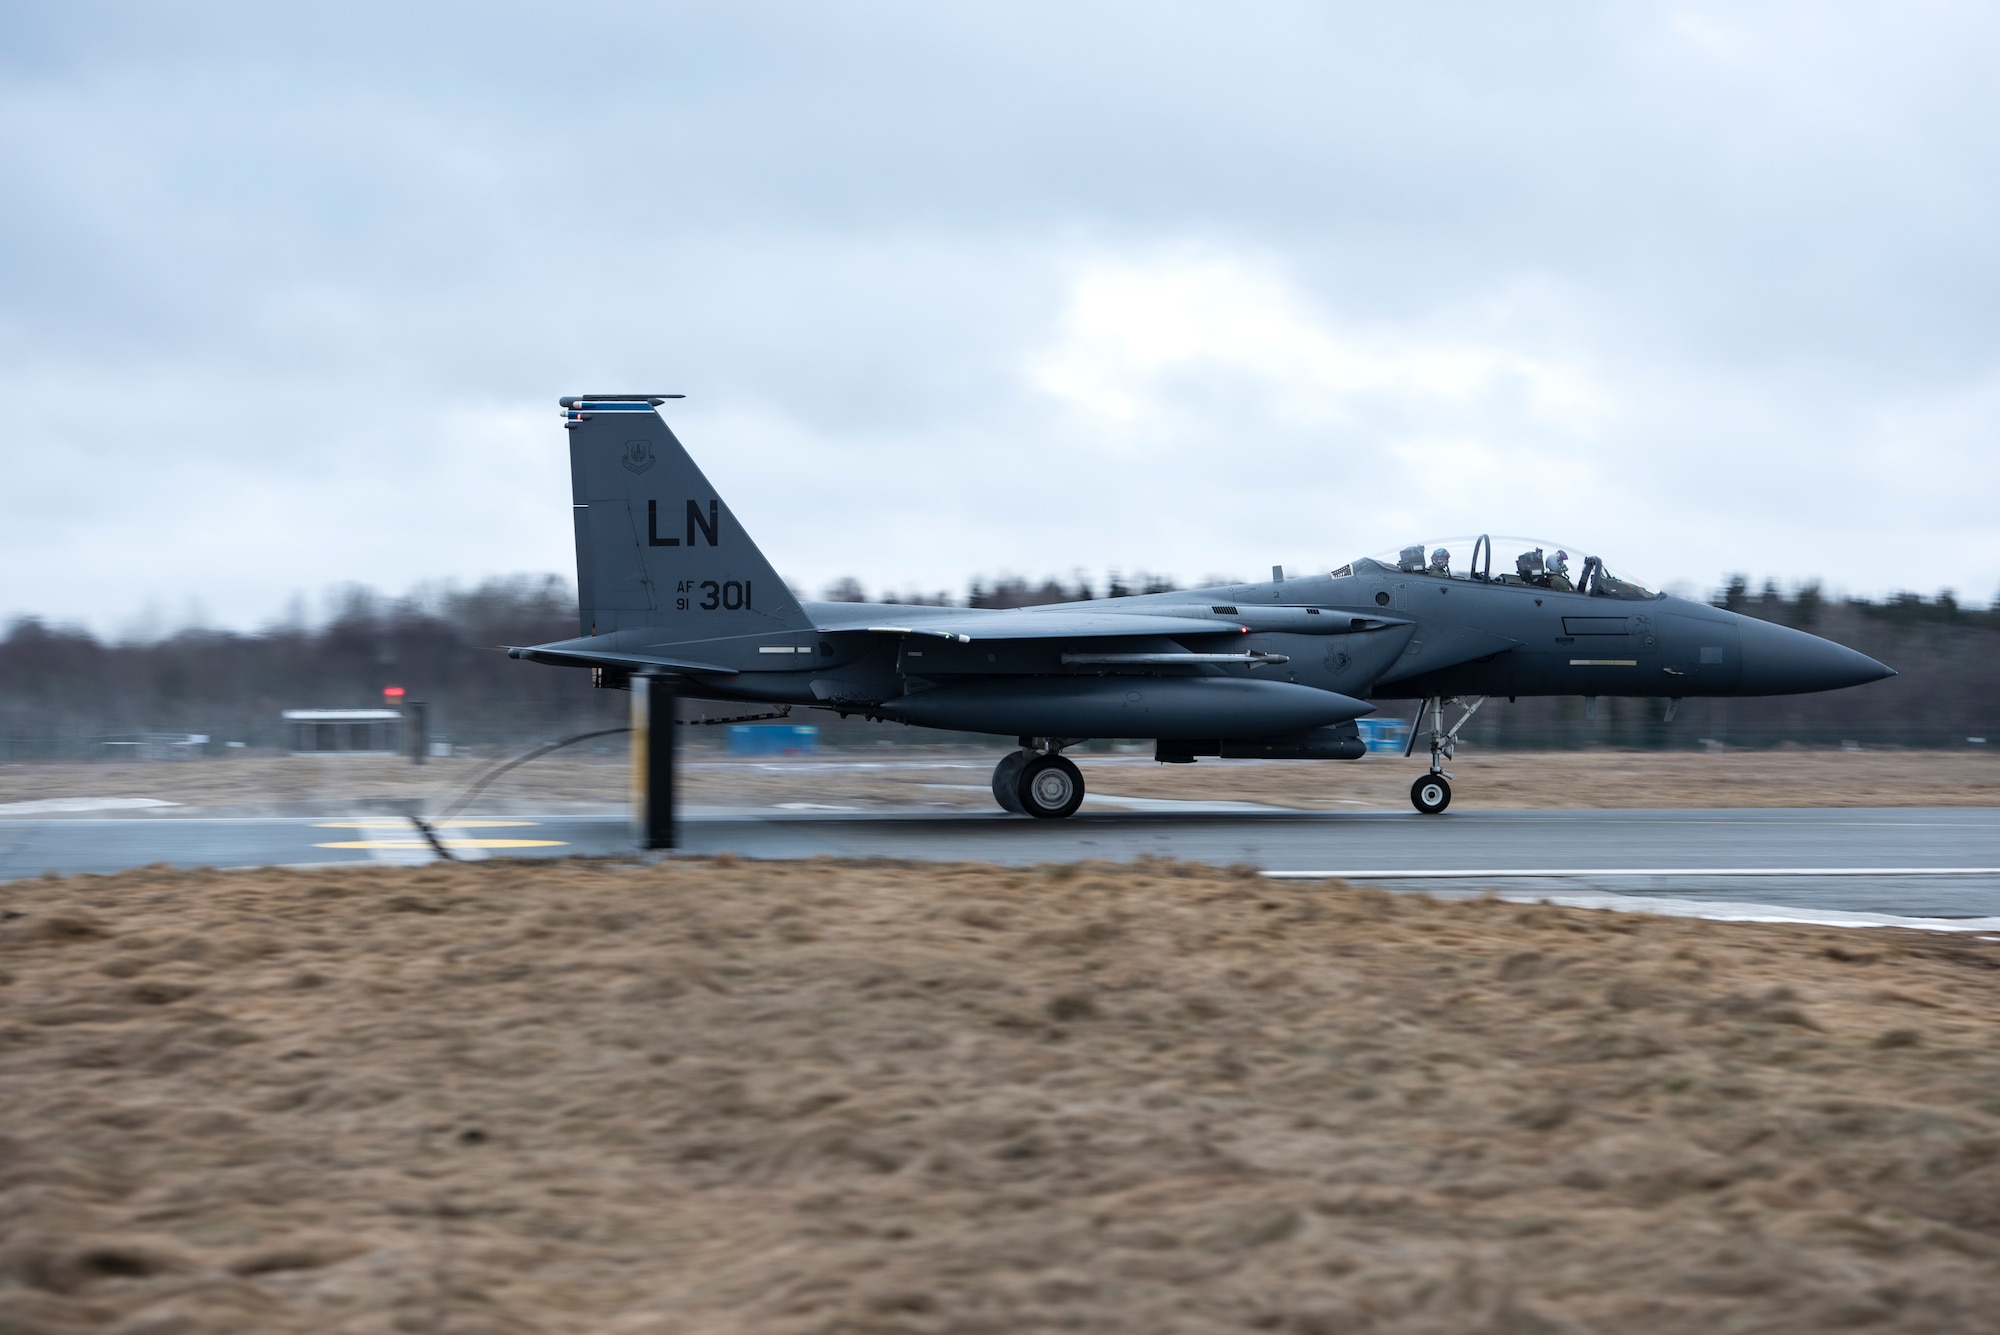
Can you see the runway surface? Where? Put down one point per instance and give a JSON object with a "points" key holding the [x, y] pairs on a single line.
{"points": [[1924, 862]]}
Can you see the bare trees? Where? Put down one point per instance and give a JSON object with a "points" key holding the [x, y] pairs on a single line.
{"points": [[63, 692]]}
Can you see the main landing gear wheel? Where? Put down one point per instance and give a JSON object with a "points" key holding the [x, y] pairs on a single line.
{"points": [[1431, 794], [1050, 788], [1007, 780]]}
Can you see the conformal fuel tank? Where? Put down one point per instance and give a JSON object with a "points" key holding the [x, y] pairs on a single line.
{"points": [[1126, 707]]}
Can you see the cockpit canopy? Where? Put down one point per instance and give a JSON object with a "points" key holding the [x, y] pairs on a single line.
{"points": [[1523, 562]]}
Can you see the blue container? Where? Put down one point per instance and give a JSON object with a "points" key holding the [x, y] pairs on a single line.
{"points": [[768, 739], [1384, 736]]}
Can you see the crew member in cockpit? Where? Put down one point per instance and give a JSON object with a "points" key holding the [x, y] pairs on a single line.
{"points": [[1440, 564], [1558, 573]]}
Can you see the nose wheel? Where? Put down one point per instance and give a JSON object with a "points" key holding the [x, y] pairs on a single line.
{"points": [[1047, 787], [1431, 794]]}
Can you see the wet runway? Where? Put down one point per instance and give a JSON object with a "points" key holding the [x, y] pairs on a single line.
{"points": [[1928, 862]]}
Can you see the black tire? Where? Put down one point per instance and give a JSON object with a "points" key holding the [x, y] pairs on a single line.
{"points": [[1431, 794], [1050, 788], [1007, 780]]}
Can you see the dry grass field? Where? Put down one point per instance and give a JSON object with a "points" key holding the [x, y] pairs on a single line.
{"points": [[951, 778], [820, 1097]]}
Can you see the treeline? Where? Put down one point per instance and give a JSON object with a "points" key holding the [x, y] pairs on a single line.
{"points": [[1015, 591], [64, 693]]}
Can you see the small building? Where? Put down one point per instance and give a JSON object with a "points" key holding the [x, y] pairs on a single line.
{"points": [[1384, 736], [352, 732]]}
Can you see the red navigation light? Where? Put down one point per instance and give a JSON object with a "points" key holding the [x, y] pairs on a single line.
{"points": [[392, 692]]}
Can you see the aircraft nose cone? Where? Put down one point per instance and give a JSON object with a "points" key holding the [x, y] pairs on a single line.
{"points": [[1778, 660]]}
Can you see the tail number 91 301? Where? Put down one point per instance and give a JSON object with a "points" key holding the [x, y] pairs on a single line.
{"points": [[732, 595]]}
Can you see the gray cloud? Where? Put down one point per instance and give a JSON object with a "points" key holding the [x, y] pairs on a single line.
{"points": [[285, 298]]}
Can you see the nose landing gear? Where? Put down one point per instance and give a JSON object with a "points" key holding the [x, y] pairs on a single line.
{"points": [[1431, 793], [1039, 783]]}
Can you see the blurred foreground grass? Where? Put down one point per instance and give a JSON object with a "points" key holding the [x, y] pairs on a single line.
{"points": [[820, 1097]]}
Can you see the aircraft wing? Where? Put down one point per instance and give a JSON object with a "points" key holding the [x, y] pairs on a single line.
{"points": [[960, 625], [1024, 623]]}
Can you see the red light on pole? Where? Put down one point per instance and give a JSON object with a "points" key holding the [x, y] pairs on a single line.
{"points": [[392, 693]]}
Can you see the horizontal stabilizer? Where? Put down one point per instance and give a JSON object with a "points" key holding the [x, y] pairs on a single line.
{"points": [[595, 658]]}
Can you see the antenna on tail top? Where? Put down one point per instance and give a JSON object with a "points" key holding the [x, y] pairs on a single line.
{"points": [[579, 400]]}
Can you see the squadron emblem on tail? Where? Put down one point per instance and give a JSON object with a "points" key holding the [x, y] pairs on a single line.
{"points": [[638, 455]]}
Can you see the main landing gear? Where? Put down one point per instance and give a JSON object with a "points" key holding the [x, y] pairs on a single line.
{"points": [[1038, 780], [1431, 793]]}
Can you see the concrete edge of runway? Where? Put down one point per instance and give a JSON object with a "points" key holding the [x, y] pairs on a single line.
{"points": [[1985, 929], [1433, 884]]}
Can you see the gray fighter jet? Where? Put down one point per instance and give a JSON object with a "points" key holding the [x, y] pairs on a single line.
{"points": [[672, 586]]}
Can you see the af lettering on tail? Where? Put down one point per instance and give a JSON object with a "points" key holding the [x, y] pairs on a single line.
{"points": [[656, 546]]}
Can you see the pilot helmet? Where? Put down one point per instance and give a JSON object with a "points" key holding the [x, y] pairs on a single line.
{"points": [[1440, 557], [1559, 560]]}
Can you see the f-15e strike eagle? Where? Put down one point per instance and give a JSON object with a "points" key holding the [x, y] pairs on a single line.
{"points": [[672, 586]]}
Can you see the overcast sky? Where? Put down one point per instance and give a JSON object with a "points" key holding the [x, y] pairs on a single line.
{"points": [[287, 295]]}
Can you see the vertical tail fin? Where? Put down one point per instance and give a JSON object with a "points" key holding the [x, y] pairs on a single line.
{"points": [[656, 547]]}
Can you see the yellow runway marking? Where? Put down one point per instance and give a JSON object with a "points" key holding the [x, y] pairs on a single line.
{"points": [[412, 842], [448, 843]]}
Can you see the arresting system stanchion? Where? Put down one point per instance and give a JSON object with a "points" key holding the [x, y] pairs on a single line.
{"points": [[653, 701]]}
